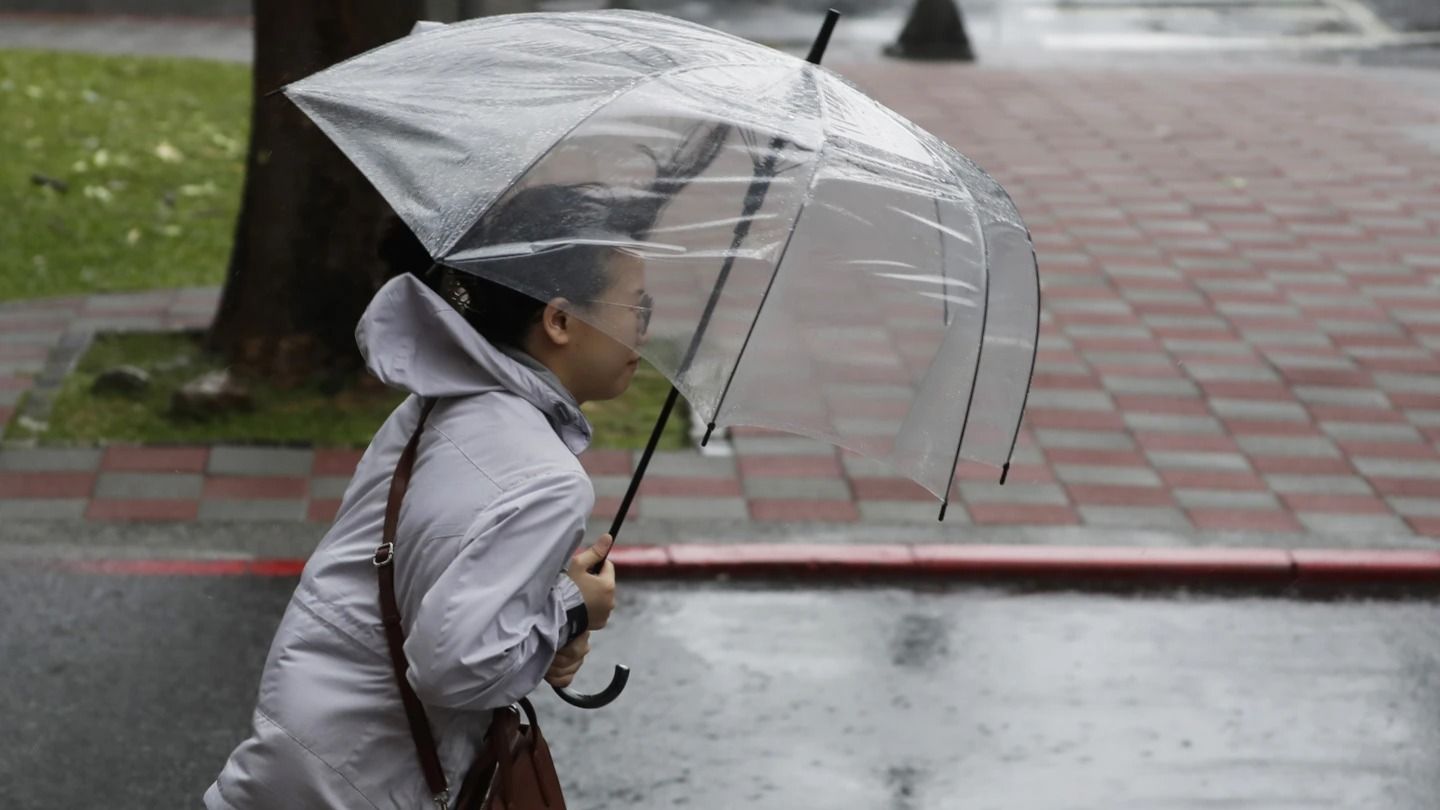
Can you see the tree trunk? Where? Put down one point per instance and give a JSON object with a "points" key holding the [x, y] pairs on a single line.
{"points": [[304, 264], [935, 30]]}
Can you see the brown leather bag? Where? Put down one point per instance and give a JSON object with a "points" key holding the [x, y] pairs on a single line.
{"points": [[513, 769]]}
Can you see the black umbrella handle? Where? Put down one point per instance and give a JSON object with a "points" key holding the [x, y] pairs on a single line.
{"points": [[599, 699], [622, 673]]}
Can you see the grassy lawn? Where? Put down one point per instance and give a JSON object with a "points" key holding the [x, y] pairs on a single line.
{"points": [[151, 154], [306, 415]]}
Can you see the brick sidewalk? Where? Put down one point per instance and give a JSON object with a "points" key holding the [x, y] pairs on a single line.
{"points": [[1242, 285]]}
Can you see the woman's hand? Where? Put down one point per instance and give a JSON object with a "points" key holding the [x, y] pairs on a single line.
{"points": [[598, 590], [568, 660]]}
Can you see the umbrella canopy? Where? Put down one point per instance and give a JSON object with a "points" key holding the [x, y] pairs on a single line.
{"points": [[814, 263]]}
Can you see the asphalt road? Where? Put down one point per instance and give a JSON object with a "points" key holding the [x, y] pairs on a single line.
{"points": [[129, 693]]}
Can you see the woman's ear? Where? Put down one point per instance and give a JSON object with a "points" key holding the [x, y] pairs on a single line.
{"points": [[555, 322]]}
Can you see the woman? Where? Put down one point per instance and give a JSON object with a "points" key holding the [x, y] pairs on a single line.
{"points": [[490, 598]]}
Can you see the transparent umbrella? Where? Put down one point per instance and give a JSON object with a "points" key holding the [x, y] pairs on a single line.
{"points": [[812, 262]]}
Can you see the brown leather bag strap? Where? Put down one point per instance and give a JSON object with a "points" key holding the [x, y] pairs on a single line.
{"points": [[390, 613]]}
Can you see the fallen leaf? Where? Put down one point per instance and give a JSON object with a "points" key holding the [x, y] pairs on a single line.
{"points": [[199, 190], [168, 153], [49, 182]]}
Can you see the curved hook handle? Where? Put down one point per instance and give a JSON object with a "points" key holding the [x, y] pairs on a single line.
{"points": [[599, 699]]}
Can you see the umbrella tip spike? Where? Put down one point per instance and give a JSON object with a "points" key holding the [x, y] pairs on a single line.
{"points": [[1004, 473], [943, 507], [709, 429]]}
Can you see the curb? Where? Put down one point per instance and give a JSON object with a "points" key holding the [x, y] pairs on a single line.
{"points": [[1263, 569]]}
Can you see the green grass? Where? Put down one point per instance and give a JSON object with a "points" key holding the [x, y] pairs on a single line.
{"points": [[304, 415], [152, 151], [626, 422]]}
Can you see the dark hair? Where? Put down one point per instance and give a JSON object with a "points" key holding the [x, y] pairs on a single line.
{"points": [[502, 313]]}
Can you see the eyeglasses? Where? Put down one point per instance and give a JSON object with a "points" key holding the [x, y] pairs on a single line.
{"points": [[643, 311]]}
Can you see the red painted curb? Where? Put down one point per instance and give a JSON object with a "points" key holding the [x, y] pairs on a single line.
{"points": [[1337, 567], [1198, 567], [1131, 564]]}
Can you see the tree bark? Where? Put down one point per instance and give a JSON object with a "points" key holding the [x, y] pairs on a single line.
{"points": [[935, 30], [304, 263]]}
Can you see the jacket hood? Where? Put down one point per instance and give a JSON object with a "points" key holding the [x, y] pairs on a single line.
{"points": [[414, 341]]}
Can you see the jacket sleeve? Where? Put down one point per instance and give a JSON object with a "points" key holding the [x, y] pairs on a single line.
{"points": [[488, 629]]}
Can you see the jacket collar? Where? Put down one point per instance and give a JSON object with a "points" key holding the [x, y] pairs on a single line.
{"points": [[413, 340]]}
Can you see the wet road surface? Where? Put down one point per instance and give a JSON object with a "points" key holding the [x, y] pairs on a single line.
{"points": [[137, 688]]}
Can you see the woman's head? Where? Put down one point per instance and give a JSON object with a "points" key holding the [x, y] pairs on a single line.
{"points": [[536, 307], [606, 286]]}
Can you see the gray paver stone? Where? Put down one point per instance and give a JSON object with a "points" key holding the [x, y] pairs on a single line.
{"points": [[149, 486], [231, 460]]}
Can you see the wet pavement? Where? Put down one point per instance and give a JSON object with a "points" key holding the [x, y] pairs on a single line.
{"points": [[137, 689]]}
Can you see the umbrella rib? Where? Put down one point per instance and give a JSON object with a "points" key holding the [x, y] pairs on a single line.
{"points": [[804, 202], [779, 262], [754, 198], [944, 272], [979, 354], [970, 402], [1030, 378], [473, 215]]}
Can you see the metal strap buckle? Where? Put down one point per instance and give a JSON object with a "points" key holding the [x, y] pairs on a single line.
{"points": [[442, 799], [384, 555]]}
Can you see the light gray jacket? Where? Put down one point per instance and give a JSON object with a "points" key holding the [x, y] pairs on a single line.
{"points": [[495, 510]]}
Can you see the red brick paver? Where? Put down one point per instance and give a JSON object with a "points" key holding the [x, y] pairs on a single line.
{"points": [[155, 459], [255, 487]]}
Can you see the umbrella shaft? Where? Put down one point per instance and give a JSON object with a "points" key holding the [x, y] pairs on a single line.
{"points": [[640, 471], [754, 198], [817, 51]]}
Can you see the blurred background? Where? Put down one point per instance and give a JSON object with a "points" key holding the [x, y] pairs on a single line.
{"points": [[1236, 210]]}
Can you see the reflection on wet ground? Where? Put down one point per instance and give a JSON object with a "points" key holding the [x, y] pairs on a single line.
{"points": [[781, 697]]}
